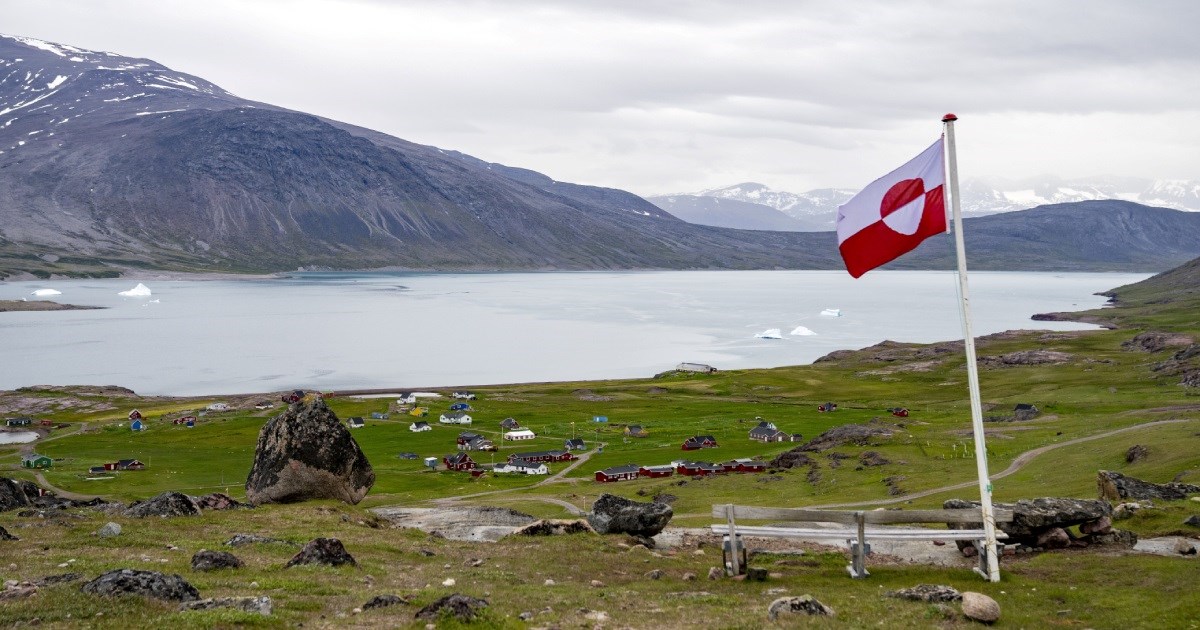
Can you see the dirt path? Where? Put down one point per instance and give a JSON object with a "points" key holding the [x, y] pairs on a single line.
{"points": [[1017, 464]]}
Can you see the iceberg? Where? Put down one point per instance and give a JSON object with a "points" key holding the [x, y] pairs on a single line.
{"points": [[803, 331], [770, 333], [832, 312], [140, 290], [46, 292]]}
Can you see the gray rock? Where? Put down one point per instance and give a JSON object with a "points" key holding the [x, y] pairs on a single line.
{"points": [[4, 535], [803, 605], [1026, 357], [62, 578], [1193, 520], [1136, 453], [144, 583], [1031, 517], [756, 574], [261, 605], [554, 527], [458, 606], [1184, 547], [617, 515], [1126, 510], [525, 616], [1117, 537], [205, 560], [328, 551], [715, 573], [109, 530], [165, 504], [217, 501], [1115, 486], [928, 593], [305, 453], [241, 540], [15, 493], [654, 574], [383, 601], [980, 607], [1102, 525]]}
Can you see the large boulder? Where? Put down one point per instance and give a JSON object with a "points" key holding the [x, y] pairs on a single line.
{"points": [[15, 493], [464, 608], [1032, 517], [144, 583], [205, 560], [165, 504], [617, 515], [217, 501], [305, 453], [329, 551], [1114, 486], [803, 605]]}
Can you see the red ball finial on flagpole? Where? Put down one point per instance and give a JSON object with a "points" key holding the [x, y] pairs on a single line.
{"points": [[949, 118]]}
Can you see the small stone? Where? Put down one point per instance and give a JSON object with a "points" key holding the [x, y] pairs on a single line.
{"points": [[449, 582], [689, 577], [355, 611], [654, 574], [383, 601], [475, 562], [261, 605], [803, 605], [525, 616], [597, 584], [714, 573], [1053, 538], [980, 607], [109, 530], [1193, 520], [205, 560], [328, 551], [426, 552], [254, 584], [1184, 547], [928, 593], [548, 582], [461, 607], [756, 574], [698, 552], [1102, 525], [596, 615]]}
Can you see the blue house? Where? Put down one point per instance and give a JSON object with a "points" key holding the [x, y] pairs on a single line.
{"points": [[137, 425], [460, 407], [599, 418]]}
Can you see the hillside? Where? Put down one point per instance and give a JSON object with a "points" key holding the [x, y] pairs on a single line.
{"points": [[735, 214]]}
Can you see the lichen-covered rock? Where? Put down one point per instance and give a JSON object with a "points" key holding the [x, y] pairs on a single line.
{"points": [[109, 530], [1115, 486], [1026, 357], [383, 601], [1031, 517], [458, 606], [217, 501], [1100, 526], [165, 504], [328, 551], [4, 535], [1053, 538], [15, 493], [803, 605], [928, 593], [980, 607], [555, 527], [205, 560], [144, 583], [261, 605], [617, 515], [306, 453], [1136, 453], [241, 540]]}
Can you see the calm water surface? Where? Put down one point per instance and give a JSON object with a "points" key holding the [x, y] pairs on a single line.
{"points": [[378, 330]]}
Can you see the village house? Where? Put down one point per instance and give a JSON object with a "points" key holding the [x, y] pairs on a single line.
{"points": [[356, 422], [656, 471], [459, 461], [19, 422], [766, 432], [137, 425], [33, 460], [460, 406], [379, 415], [744, 465], [419, 412], [406, 399], [522, 466], [544, 456], [264, 404], [468, 441], [636, 430], [599, 418], [575, 444], [698, 469], [125, 464], [220, 406], [135, 415], [419, 425], [519, 434], [509, 423], [696, 367], [827, 407], [618, 473], [456, 417], [97, 470], [698, 442], [463, 395]]}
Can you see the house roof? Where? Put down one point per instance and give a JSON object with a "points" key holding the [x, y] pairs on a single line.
{"points": [[33, 456], [1023, 407], [458, 458], [468, 435], [522, 463], [126, 462], [455, 415], [421, 423], [554, 453], [478, 440], [617, 470], [575, 441]]}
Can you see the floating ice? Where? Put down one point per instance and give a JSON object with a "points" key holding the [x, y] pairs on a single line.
{"points": [[803, 331], [770, 333], [46, 292], [832, 312], [140, 290]]}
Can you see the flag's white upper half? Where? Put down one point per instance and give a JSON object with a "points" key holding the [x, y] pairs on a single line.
{"points": [[864, 209]]}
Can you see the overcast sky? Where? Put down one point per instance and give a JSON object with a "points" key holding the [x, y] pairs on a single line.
{"points": [[658, 96]]}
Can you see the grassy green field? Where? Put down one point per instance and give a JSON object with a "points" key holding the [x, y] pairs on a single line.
{"points": [[1100, 390]]}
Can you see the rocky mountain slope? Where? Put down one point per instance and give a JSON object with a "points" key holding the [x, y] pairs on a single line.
{"points": [[732, 213]]}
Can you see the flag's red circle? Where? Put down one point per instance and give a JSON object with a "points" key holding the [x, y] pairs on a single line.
{"points": [[901, 194]]}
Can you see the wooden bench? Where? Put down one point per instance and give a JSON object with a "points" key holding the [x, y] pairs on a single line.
{"points": [[855, 533]]}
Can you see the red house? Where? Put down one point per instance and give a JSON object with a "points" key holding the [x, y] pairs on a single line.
{"points": [[698, 442], [656, 471], [459, 461], [559, 455], [698, 469], [617, 473], [744, 466], [135, 415]]}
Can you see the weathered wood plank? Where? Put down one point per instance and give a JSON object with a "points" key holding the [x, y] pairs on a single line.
{"points": [[846, 517]]}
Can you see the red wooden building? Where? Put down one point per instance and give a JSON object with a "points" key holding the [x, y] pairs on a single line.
{"points": [[459, 461], [656, 471], [617, 473], [698, 442]]}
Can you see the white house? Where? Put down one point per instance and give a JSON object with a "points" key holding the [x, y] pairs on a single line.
{"points": [[455, 418], [523, 467], [419, 425], [218, 407], [357, 422], [519, 434]]}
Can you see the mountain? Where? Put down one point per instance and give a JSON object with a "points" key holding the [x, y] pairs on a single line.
{"points": [[731, 213], [110, 162]]}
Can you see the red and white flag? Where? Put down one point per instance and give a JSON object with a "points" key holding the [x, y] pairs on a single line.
{"points": [[894, 213]]}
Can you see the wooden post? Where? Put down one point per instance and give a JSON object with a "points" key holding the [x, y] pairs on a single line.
{"points": [[734, 560]]}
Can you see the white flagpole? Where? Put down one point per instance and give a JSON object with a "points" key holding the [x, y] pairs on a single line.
{"points": [[985, 485]]}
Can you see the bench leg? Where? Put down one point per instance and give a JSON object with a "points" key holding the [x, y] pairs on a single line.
{"points": [[981, 548]]}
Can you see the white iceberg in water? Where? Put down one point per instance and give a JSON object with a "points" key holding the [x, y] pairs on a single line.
{"points": [[46, 292], [770, 333], [140, 290], [832, 312], [802, 331]]}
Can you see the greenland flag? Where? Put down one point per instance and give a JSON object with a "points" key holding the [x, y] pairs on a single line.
{"points": [[894, 213]]}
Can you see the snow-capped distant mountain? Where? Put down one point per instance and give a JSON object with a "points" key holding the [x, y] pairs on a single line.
{"points": [[731, 213], [800, 205]]}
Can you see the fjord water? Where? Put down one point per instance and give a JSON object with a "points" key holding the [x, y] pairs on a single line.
{"points": [[393, 330]]}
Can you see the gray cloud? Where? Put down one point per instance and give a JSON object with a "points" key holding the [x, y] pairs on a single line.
{"points": [[658, 96]]}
